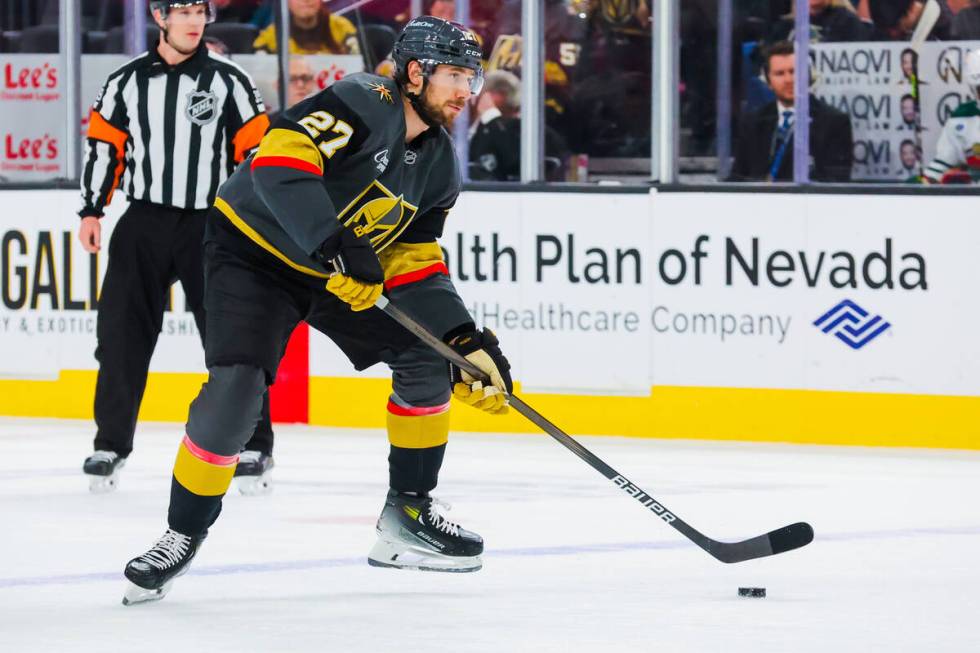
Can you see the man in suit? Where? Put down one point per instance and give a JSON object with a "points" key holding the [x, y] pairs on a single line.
{"points": [[495, 138], [765, 137]]}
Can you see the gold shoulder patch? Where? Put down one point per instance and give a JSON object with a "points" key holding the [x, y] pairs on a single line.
{"points": [[384, 93]]}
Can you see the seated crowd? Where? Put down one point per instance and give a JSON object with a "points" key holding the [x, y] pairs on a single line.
{"points": [[597, 67]]}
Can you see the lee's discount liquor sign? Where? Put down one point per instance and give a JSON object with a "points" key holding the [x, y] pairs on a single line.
{"points": [[33, 118]]}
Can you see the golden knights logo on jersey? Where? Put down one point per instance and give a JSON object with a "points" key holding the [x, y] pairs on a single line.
{"points": [[384, 94], [378, 214]]}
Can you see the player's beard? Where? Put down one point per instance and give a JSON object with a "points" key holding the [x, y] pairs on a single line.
{"points": [[436, 113]]}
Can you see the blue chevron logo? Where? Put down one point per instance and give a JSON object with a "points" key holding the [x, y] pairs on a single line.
{"points": [[853, 325]]}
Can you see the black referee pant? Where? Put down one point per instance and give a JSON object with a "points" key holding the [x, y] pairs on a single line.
{"points": [[152, 246]]}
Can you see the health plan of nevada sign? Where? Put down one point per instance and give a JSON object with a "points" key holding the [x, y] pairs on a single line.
{"points": [[614, 293]]}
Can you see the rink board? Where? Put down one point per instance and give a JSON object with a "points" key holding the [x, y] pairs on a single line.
{"points": [[837, 319]]}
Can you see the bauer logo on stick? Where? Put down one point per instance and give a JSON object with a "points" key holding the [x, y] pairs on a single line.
{"points": [[642, 497]]}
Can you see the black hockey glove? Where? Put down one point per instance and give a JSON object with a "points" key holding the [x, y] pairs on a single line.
{"points": [[360, 277], [483, 350]]}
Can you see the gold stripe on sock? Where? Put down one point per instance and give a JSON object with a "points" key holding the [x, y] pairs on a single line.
{"points": [[418, 431], [200, 477]]}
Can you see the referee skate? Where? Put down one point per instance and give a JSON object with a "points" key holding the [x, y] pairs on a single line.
{"points": [[103, 469]]}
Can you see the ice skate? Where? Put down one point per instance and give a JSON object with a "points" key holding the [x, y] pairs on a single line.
{"points": [[252, 473], [102, 469], [152, 574], [413, 533]]}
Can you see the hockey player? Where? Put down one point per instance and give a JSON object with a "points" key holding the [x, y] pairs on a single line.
{"points": [[344, 199], [173, 122], [957, 159]]}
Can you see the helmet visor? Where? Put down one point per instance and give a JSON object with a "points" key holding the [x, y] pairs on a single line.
{"points": [[458, 78]]}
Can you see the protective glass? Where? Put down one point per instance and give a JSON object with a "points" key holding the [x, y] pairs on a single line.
{"points": [[175, 15], [470, 80]]}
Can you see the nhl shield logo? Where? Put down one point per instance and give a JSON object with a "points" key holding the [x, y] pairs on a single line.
{"points": [[202, 107]]}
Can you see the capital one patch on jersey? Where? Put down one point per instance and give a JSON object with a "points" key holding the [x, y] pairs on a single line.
{"points": [[378, 214], [202, 107]]}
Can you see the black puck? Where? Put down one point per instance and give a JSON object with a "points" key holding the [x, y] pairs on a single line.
{"points": [[752, 592]]}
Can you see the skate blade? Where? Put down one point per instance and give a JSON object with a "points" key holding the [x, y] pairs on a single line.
{"points": [[103, 484], [135, 594], [254, 486], [400, 555]]}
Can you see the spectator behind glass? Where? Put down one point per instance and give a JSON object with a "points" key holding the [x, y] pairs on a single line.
{"points": [[966, 24], [234, 11], [765, 137], [103, 14], [830, 21], [312, 30], [301, 84], [699, 56], [610, 114], [95, 14], [895, 20], [564, 33], [495, 137], [396, 13], [484, 15], [444, 9]]}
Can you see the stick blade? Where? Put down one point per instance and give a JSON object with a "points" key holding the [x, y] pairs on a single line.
{"points": [[774, 542], [790, 537]]}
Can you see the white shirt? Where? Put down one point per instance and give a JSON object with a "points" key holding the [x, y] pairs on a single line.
{"points": [[490, 114], [781, 110]]}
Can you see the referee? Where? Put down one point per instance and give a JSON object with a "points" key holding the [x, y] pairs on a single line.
{"points": [[168, 127]]}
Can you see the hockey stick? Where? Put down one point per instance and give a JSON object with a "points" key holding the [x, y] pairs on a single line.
{"points": [[927, 21], [780, 540]]}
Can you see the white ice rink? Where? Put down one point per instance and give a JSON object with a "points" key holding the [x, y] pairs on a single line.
{"points": [[571, 564]]}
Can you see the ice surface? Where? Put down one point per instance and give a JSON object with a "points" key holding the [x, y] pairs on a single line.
{"points": [[571, 563]]}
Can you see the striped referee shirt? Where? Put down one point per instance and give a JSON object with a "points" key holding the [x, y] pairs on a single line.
{"points": [[170, 135]]}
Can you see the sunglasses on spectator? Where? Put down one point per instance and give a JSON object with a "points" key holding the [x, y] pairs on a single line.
{"points": [[301, 79]]}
